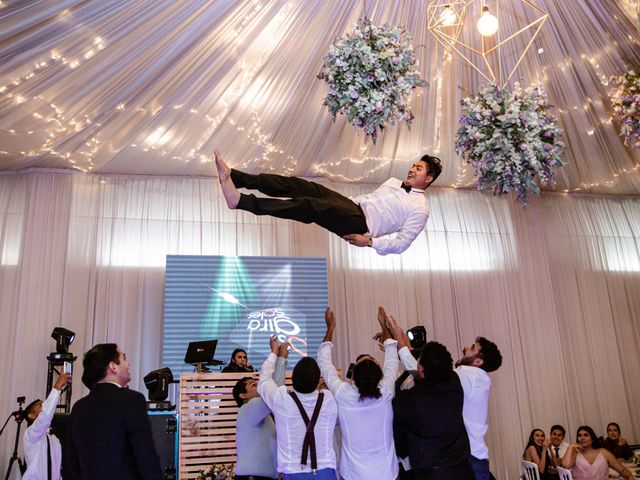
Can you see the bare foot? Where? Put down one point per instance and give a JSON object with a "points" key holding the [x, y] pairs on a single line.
{"points": [[229, 190], [224, 171]]}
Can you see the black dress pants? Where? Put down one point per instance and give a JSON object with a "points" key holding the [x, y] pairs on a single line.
{"points": [[305, 201], [459, 472]]}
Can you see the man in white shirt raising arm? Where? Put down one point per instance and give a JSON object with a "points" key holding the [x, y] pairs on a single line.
{"points": [[42, 450], [396, 207], [304, 452]]}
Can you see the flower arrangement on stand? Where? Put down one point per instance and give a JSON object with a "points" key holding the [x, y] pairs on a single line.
{"points": [[218, 471], [625, 99], [371, 74], [510, 137]]}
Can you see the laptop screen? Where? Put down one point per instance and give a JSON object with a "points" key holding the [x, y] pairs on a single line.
{"points": [[202, 351]]}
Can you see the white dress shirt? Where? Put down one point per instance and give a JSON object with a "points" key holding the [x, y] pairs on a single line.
{"points": [[476, 384], [562, 449], [390, 209], [368, 450], [34, 443], [290, 428]]}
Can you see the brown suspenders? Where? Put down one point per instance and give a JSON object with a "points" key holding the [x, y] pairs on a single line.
{"points": [[309, 437]]}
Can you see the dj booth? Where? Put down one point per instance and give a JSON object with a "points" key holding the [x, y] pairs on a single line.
{"points": [[207, 427]]}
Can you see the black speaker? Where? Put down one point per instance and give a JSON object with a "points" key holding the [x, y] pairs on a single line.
{"points": [[164, 429]]}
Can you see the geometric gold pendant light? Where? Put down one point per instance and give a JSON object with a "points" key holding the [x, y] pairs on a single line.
{"points": [[492, 36]]}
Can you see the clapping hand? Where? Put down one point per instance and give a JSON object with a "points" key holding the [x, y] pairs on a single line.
{"points": [[385, 333]]}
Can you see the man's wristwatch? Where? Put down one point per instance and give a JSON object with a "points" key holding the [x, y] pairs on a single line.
{"points": [[370, 242]]}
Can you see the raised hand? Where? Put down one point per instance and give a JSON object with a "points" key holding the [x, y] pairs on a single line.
{"points": [[383, 320], [283, 350], [273, 343], [62, 381], [330, 320], [379, 339]]}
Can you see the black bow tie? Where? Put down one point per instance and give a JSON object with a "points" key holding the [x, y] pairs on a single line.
{"points": [[405, 187]]}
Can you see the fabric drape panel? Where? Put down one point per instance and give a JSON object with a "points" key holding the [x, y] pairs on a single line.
{"points": [[556, 285], [136, 87]]}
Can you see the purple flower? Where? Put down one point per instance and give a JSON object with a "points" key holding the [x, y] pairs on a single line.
{"points": [[524, 147], [353, 94], [370, 78], [378, 107]]}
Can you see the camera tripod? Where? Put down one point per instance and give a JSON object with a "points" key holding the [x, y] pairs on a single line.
{"points": [[18, 416]]}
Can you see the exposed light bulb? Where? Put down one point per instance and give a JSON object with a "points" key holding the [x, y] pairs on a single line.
{"points": [[448, 17], [488, 24]]}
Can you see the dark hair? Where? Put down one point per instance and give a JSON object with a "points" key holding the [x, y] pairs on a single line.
{"points": [[436, 362], [490, 355], [306, 375], [366, 376], [594, 438], [96, 361], [240, 387], [532, 443], [237, 351], [615, 425], [362, 355], [434, 166], [29, 409], [558, 427]]}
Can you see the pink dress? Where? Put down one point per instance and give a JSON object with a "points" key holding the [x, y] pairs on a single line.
{"points": [[583, 470]]}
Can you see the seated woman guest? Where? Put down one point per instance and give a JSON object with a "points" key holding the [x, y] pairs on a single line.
{"points": [[588, 461], [537, 451], [615, 443], [239, 362]]}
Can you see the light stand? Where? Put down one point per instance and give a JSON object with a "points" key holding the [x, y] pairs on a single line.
{"points": [[58, 360], [18, 416]]}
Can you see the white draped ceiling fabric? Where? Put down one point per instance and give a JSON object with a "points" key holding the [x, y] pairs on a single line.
{"points": [[110, 112]]}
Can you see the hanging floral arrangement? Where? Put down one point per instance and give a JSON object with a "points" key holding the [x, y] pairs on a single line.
{"points": [[625, 99], [218, 471], [510, 137], [371, 74]]}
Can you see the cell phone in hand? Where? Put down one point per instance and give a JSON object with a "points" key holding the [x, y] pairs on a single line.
{"points": [[66, 368]]}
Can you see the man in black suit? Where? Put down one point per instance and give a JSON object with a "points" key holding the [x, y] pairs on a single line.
{"points": [[427, 422], [110, 433]]}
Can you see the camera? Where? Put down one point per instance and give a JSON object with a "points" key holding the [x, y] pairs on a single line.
{"points": [[21, 400], [350, 370]]}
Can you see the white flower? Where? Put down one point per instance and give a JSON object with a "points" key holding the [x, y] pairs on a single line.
{"points": [[509, 137], [371, 75]]}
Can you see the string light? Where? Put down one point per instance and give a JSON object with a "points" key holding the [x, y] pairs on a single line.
{"points": [[58, 129]]}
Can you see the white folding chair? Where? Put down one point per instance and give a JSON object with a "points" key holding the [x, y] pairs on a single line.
{"points": [[529, 470], [564, 474]]}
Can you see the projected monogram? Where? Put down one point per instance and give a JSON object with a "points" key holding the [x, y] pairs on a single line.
{"points": [[276, 320]]}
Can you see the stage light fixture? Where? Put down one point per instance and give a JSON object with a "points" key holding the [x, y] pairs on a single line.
{"points": [[417, 336], [63, 338], [157, 383]]}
